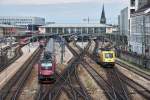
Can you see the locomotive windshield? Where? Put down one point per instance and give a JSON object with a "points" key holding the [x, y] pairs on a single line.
{"points": [[47, 55], [46, 64], [108, 55]]}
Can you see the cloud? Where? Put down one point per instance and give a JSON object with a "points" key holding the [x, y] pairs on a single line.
{"points": [[39, 2]]}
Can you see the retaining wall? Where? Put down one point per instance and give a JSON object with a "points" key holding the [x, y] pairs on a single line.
{"points": [[135, 59]]}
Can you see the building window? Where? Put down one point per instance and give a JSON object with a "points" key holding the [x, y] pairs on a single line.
{"points": [[132, 3], [60, 30], [132, 11], [84, 30]]}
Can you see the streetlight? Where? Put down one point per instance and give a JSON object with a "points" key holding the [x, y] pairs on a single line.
{"points": [[62, 48]]}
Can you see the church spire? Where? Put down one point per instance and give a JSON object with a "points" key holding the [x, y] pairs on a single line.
{"points": [[103, 18]]}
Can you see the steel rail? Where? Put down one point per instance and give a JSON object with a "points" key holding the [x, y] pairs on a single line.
{"points": [[80, 56], [83, 89], [63, 79], [138, 72], [14, 86], [137, 87], [121, 84], [109, 90]]}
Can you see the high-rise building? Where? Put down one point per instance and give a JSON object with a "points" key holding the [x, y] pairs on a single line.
{"points": [[124, 22], [140, 28], [103, 18], [134, 22], [141, 3], [136, 4], [132, 7]]}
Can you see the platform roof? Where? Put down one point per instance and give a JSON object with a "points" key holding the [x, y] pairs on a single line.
{"points": [[9, 26], [77, 25]]}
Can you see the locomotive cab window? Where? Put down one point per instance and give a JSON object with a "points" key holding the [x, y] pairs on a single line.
{"points": [[108, 55], [46, 64]]}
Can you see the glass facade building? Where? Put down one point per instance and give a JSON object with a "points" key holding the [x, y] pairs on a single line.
{"points": [[140, 33]]}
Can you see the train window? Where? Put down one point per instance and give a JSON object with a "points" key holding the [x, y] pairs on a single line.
{"points": [[108, 55], [46, 65]]}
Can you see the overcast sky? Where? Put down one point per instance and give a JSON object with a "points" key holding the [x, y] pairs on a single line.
{"points": [[57, 1], [63, 11]]}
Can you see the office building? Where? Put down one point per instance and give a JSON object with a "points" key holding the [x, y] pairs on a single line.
{"points": [[28, 22], [140, 30], [124, 22]]}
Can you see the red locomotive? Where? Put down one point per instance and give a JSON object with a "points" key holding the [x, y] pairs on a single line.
{"points": [[47, 64]]}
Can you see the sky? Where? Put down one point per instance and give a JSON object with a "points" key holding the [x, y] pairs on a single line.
{"points": [[64, 11]]}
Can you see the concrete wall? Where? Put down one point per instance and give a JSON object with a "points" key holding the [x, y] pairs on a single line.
{"points": [[134, 58]]}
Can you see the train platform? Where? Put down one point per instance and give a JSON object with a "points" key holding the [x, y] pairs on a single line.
{"points": [[82, 45], [66, 56], [133, 66], [11, 52], [62, 63], [7, 45], [10, 71]]}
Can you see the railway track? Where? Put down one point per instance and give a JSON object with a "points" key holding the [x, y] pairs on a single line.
{"points": [[18, 54], [42, 90], [138, 72], [82, 87], [110, 91], [137, 87], [59, 83], [53, 95], [69, 94], [64, 81], [8, 47], [114, 79], [13, 87], [117, 91], [75, 79], [55, 90]]}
